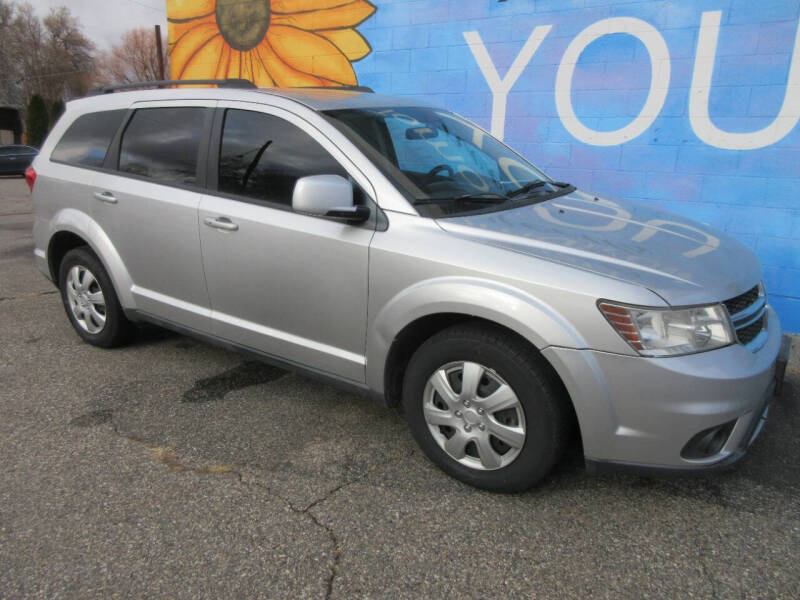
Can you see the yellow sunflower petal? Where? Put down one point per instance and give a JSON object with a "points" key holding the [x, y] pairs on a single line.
{"points": [[235, 65], [261, 76], [177, 30], [247, 66], [189, 9], [287, 6], [203, 63], [281, 72], [349, 41], [188, 45], [344, 15], [311, 54], [241, 65], [223, 63]]}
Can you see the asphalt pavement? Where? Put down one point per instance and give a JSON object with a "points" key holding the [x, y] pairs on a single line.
{"points": [[171, 468]]}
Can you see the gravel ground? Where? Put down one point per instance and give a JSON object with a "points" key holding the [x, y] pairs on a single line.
{"points": [[176, 469]]}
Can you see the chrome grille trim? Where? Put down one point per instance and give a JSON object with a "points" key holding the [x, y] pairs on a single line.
{"points": [[758, 342], [751, 308], [756, 307], [740, 322], [742, 301]]}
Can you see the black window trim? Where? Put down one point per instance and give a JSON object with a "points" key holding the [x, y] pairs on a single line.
{"points": [[377, 220]]}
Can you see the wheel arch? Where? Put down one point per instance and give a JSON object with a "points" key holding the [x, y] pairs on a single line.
{"points": [[71, 229], [423, 310], [60, 243]]}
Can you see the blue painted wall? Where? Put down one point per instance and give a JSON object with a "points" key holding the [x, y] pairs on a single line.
{"points": [[420, 49]]}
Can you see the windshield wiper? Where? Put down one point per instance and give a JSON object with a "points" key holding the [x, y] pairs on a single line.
{"points": [[529, 187], [486, 198]]}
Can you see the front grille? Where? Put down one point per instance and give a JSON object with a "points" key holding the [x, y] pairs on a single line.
{"points": [[738, 304], [748, 314], [749, 332]]}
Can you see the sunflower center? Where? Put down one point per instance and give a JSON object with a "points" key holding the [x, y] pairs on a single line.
{"points": [[243, 23]]}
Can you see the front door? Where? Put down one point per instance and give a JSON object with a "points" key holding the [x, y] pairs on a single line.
{"points": [[290, 285]]}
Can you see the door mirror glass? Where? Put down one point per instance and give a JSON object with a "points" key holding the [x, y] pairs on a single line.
{"points": [[319, 194]]}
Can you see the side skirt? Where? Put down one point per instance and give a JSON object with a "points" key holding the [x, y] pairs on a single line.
{"points": [[346, 385]]}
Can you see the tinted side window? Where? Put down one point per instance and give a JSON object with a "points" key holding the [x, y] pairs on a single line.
{"points": [[86, 141], [163, 144], [262, 156]]}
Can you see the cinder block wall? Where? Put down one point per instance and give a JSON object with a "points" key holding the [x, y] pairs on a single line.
{"points": [[604, 58]]}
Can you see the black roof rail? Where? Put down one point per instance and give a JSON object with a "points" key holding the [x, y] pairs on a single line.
{"points": [[349, 88], [222, 83]]}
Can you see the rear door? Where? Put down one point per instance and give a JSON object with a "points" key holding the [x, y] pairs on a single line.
{"points": [[146, 200], [287, 284]]}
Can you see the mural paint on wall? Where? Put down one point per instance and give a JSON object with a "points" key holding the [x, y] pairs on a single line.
{"points": [[281, 43], [692, 105], [689, 104]]}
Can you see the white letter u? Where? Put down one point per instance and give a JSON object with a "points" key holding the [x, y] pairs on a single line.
{"points": [[700, 91]]}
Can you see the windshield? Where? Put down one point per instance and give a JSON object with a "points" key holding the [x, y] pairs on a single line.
{"points": [[445, 165]]}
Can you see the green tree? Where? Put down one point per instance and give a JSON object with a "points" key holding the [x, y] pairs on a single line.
{"points": [[37, 122], [56, 110]]}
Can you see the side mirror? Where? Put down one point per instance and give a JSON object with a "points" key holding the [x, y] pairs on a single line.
{"points": [[328, 196]]}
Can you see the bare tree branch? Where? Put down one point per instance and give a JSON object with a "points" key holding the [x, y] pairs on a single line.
{"points": [[134, 59]]}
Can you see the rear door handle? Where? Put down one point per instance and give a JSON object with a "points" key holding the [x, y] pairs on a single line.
{"points": [[106, 197], [223, 223]]}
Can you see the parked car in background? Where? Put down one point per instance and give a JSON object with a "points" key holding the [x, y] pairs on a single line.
{"points": [[401, 251], [15, 159]]}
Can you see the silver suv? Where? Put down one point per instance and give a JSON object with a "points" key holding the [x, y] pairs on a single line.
{"points": [[401, 251]]}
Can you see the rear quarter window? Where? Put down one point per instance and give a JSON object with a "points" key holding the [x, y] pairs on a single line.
{"points": [[86, 141]]}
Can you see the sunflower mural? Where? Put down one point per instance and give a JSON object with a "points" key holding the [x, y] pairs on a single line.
{"points": [[273, 43]]}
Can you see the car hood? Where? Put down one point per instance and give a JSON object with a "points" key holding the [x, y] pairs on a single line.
{"points": [[683, 261]]}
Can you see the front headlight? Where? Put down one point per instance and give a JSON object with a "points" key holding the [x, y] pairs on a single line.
{"points": [[670, 331]]}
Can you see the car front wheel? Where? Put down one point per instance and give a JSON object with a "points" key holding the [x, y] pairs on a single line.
{"points": [[485, 407]]}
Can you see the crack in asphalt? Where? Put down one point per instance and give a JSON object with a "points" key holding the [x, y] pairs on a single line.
{"points": [[706, 574], [336, 552], [169, 457], [27, 295]]}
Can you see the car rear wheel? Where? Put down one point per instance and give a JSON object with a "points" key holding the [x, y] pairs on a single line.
{"points": [[485, 407], [90, 300]]}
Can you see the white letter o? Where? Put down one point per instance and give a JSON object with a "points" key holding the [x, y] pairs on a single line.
{"points": [[659, 80]]}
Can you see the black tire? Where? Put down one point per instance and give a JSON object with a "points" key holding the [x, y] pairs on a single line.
{"points": [[117, 329], [547, 412]]}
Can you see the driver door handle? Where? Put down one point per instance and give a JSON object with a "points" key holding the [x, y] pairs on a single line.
{"points": [[221, 223], [106, 197]]}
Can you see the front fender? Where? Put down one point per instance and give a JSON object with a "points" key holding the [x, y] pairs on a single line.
{"points": [[505, 305], [82, 225]]}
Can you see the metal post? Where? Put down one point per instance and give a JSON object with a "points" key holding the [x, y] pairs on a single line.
{"points": [[160, 51]]}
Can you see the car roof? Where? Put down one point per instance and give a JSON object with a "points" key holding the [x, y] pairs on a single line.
{"points": [[318, 99]]}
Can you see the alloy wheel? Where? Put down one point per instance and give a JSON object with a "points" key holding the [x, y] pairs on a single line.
{"points": [[474, 415], [86, 299]]}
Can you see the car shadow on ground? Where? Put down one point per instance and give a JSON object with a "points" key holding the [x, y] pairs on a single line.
{"points": [[247, 415]]}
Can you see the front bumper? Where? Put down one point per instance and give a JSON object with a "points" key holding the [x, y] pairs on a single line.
{"points": [[639, 413]]}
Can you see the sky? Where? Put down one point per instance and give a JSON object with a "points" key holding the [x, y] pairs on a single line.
{"points": [[104, 22]]}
